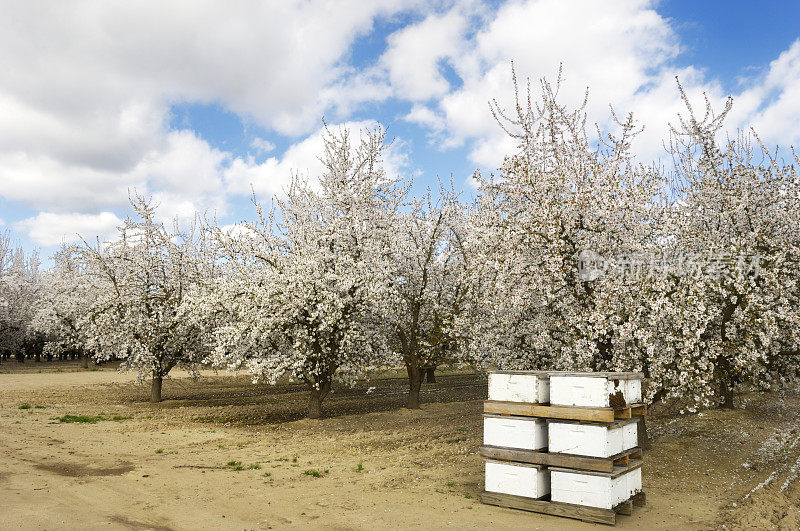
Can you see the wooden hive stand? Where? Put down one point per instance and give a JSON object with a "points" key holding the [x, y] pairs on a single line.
{"points": [[568, 510]]}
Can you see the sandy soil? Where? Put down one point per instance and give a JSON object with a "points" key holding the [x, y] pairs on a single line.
{"points": [[166, 466]]}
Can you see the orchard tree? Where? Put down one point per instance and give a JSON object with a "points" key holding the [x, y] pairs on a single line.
{"points": [[64, 308], [429, 287], [303, 286], [141, 284], [559, 197], [732, 314], [19, 291]]}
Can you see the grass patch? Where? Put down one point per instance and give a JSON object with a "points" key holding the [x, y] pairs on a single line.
{"points": [[234, 465], [267, 474], [294, 459], [450, 484], [160, 451], [82, 419], [313, 472], [25, 406], [359, 467], [254, 466], [39, 407], [468, 496]]}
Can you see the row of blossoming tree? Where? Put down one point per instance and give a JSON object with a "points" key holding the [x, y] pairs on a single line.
{"points": [[575, 256]]}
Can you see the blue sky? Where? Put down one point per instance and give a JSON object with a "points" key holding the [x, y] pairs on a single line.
{"points": [[196, 103]]}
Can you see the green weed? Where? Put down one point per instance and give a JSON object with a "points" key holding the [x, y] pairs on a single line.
{"points": [[83, 419]]}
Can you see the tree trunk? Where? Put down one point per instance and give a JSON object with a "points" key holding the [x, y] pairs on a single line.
{"points": [[414, 384], [430, 377], [726, 392], [155, 389], [725, 382], [85, 363], [316, 398]]}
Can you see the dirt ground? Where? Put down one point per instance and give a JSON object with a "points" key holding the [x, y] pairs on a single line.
{"points": [[174, 465]]}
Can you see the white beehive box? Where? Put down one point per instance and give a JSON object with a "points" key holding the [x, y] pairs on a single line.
{"points": [[605, 490], [595, 389], [515, 432], [634, 481], [519, 479], [630, 434], [592, 440], [519, 386]]}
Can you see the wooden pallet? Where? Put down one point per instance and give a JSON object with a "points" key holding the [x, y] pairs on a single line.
{"points": [[568, 510], [597, 464], [591, 414]]}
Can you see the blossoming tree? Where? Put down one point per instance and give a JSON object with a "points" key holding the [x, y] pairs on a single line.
{"points": [[19, 291], [429, 287], [733, 315], [303, 285], [141, 283], [557, 197], [63, 310]]}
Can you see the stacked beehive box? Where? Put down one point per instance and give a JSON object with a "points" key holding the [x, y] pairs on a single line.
{"points": [[563, 443], [517, 432]]}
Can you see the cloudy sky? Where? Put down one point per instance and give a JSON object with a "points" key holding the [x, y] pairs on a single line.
{"points": [[198, 103]]}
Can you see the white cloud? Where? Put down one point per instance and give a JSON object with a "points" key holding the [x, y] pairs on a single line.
{"points": [[771, 104], [86, 101], [434, 122], [413, 55], [262, 145], [266, 60], [182, 168], [48, 229]]}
